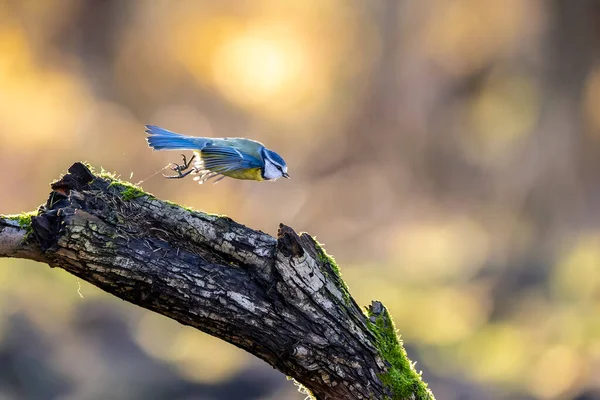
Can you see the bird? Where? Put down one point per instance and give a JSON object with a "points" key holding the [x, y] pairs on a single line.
{"points": [[237, 158]]}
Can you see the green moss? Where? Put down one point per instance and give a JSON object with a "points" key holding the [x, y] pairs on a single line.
{"points": [[128, 190], [23, 219], [131, 193], [326, 259], [193, 210], [190, 209], [89, 166], [401, 378]]}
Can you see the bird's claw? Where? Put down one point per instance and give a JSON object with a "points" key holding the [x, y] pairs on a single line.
{"points": [[180, 168]]}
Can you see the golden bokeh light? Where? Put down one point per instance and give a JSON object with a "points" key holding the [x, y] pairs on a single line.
{"points": [[187, 349], [439, 250], [577, 276], [453, 315], [32, 97], [499, 353], [260, 65], [555, 372], [501, 116]]}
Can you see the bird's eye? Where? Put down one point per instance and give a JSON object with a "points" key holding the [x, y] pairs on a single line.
{"points": [[279, 168]]}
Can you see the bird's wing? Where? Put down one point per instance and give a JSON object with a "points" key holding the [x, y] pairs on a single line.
{"points": [[163, 139], [219, 160]]}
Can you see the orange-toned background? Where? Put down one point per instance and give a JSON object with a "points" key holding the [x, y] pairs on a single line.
{"points": [[446, 152]]}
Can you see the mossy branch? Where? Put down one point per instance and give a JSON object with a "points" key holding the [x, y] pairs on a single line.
{"points": [[282, 299]]}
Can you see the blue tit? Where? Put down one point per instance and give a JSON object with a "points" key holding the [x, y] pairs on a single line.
{"points": [[237, 158]]}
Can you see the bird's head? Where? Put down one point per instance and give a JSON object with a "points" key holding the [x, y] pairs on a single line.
{"points": [[274, 166]]}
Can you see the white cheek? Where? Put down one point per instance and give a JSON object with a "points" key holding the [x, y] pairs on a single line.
{"points": [[271, 171]]}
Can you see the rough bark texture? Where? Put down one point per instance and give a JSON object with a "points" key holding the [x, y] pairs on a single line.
{"points": [[282, 299]]}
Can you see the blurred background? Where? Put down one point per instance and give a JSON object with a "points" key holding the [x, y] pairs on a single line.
{"points": [[445, 151]]}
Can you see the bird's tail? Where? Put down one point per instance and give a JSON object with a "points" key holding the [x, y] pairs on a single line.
{"points": [[162, 139]]}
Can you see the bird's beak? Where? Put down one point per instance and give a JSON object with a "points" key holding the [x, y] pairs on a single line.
{"points": [[285, 175]]}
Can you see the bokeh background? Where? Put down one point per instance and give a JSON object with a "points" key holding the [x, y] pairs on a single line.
{"points": [[446, 152]]}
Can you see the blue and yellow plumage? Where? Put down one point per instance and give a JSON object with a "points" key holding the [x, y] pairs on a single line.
{"points": [[237, 158]]}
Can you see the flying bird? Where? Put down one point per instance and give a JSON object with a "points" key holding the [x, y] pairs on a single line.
{"points": [[237, 158]]}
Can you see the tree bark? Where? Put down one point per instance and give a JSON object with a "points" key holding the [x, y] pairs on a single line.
{"points": [[282, 299]]}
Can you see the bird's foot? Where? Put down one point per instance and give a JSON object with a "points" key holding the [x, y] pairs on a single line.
{"points": [[180, 168]]}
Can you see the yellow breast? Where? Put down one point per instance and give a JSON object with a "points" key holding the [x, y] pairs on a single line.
{"points": [[253, 174]]}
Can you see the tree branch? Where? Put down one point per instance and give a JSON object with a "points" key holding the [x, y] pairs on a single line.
{"points": [[282, 299]]}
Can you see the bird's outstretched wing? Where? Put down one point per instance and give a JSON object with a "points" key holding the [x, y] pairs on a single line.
{"points": [[218, 161]]}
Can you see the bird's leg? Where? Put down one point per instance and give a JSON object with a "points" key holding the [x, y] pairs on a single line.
{"points": [[180, 168]]}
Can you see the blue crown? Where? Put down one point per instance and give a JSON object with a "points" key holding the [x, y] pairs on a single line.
{"points": [[275, 157]]}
